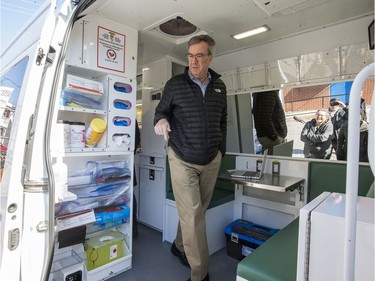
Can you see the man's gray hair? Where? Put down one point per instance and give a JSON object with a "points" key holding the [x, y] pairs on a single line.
{"points": [[204, 38], [323, 110]]}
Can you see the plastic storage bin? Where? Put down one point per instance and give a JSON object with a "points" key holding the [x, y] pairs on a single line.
{"points": [[243, 237], [111, 216], [104, 248]]}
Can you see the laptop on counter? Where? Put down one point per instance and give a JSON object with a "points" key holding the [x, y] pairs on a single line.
{"points": [[252, 175]]}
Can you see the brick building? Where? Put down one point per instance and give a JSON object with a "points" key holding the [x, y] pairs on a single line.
{"points": [[315, 97]]}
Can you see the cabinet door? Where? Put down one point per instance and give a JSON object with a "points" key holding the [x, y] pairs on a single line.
{"points": [[151, 196]]}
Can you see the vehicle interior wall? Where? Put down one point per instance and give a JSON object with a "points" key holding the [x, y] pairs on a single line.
{"points": [[240, 126], [342, 50], [327, 38], [318, 59]]}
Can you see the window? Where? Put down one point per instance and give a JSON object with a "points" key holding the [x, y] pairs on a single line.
{"points": [[10, 87]]}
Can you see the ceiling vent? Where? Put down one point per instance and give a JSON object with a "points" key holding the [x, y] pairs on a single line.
{"points": [[178, 27], [285, 7], [175, 29]]}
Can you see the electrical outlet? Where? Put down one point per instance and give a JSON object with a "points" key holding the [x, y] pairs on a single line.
{"points": [[275, 167], [259, 165]]}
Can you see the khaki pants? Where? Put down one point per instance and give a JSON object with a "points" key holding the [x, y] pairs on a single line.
{"points": [[193, 186]]}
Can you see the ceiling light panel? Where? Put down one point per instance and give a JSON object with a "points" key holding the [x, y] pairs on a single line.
{"points": [[251, 32]]}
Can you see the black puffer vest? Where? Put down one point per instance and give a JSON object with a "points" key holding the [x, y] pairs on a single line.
{"points": [[198, 123]]}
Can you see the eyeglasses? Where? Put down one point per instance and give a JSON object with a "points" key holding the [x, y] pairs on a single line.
{"points": [[198, 57]]}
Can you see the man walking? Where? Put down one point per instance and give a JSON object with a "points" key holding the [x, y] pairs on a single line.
{"points": [[192, 117]]}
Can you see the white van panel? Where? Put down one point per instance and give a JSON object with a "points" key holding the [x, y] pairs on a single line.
{"points": [[86, 52]]}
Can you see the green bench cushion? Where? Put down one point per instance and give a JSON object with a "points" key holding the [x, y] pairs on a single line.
{"points": [[331, 177], [219, 197], [223, 192], [275, 260]]}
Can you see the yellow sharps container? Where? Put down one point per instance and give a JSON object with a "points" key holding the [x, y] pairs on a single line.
{"points": [[104, 248]]}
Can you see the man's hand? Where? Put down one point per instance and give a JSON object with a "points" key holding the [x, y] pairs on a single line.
{"points": [[162, 128]]}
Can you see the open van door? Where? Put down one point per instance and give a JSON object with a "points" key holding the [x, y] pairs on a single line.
{"points": [[30, 72]]}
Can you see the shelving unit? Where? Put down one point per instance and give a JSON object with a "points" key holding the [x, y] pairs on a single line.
{"points": [[101, 175]]}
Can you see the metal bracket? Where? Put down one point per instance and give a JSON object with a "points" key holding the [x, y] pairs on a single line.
{"points": [[40, 56], [301, 189], [42, 226]]}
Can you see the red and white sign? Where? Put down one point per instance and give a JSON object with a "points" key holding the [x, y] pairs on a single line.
{"points": [[111, 50]]}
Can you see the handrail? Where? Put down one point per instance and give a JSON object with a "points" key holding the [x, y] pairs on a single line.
{"points": [[352, 172]]}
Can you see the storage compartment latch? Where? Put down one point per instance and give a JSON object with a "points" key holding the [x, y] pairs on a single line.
{"points": [[234, 237]]}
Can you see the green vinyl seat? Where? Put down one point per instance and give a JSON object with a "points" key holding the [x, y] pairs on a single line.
{"points": [[223, 192], [275, 260]]}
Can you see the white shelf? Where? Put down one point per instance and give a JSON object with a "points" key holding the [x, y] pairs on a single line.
{"points": [[65, 264], [68, 196], [75, 150], [88, 153], [81, 110]]}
